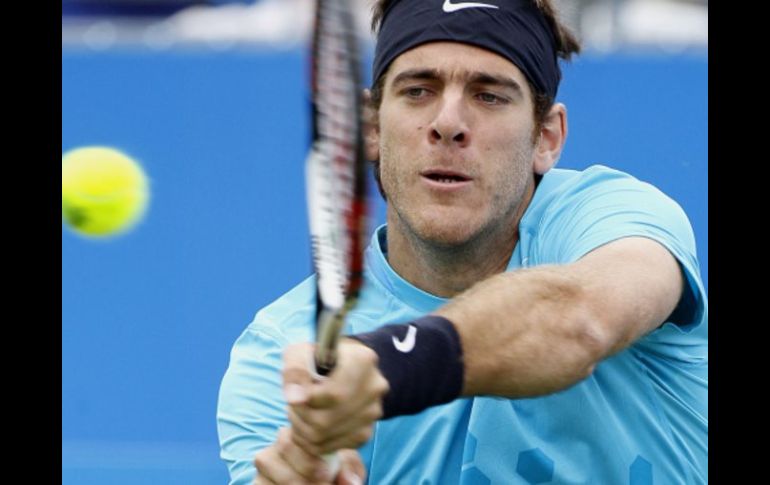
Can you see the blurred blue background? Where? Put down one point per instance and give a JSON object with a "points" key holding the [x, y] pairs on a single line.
{"points": [[148, 318]]}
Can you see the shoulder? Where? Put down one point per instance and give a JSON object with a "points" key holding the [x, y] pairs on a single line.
{"points": [[289, 318], [601, 200], [579, 211], [561, 185]]}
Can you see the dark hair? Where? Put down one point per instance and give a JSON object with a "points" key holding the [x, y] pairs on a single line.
{"points": [[566, 43]]}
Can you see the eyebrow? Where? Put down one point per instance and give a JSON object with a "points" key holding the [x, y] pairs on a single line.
{"points": [[473, 78], [485, 78], [411, 74]]}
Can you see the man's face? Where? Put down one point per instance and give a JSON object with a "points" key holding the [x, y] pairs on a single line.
{"points": [[455, 142]]}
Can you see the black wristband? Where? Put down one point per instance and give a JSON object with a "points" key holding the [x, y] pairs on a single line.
{"points": [[421, 360]]}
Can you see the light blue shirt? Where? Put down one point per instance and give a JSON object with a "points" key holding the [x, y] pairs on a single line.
{"points": [[640, 418]]}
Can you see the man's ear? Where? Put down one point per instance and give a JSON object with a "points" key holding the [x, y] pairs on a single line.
{"points": [[550, 141], [371, 128]]}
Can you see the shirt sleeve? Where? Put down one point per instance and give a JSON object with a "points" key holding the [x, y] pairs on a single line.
{"points": [[251, 407], [604, 205]]}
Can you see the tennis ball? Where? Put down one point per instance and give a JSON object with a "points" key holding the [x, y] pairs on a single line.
{"points": [[103, 192]]}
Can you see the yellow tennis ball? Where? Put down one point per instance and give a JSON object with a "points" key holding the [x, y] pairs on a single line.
{"points": [[103, 192]]}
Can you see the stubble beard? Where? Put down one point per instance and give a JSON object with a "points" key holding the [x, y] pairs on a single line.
{"points": [[468, 239]]}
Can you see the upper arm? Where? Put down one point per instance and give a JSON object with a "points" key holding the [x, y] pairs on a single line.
{"points": [[635, 244], [631, 286], [251, 407]]}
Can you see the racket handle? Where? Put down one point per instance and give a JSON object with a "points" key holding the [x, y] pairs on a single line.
{"points": [[332, 459], [333, 462]]}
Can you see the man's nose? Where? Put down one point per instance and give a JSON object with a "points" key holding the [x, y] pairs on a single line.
{"points": [[450, 125]]}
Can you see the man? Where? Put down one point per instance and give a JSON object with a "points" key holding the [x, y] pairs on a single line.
{"points": [[550, 325]]}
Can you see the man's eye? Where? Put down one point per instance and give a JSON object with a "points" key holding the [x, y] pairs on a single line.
{"points": [[416, 92], [490, 98]]}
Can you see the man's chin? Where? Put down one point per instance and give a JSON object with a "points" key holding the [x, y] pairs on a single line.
{"points": [[440, 226], [446, 235]]}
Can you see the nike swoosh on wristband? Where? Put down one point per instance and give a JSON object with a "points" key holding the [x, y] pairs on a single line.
{"points": [[407, 344], [450, 7]]}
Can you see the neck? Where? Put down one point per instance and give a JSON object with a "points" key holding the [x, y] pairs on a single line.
{"points": [[447, 270]]}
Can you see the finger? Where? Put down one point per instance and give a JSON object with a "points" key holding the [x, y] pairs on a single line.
{"points": [[312, 436], [317, 441], [303, 442], [344, 394], [319, 426], [352, 469], [363, 417], [309, 466], [353, 381], [260, 480], [272, 468], [354, 439], [341, 409], [330, 447], [294, 394], [296, 372], [303, 434], [316, 424]]}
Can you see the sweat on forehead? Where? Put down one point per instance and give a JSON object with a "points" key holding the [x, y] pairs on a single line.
{"points": [[514, 29]]}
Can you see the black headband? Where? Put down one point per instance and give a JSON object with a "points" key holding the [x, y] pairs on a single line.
{"points": [[514, 29]]}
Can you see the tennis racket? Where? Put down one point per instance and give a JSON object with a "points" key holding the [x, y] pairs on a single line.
{"points": [[335, 174]]}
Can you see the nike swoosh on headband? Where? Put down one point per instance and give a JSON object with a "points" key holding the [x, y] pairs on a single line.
{"points": [[450, 7]]}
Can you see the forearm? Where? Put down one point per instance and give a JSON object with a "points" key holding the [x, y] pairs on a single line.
{"points": [[517, 334], [540, 330], [526, 333]]}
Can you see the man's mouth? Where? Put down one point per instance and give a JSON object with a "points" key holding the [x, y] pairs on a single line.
{"points": [[445, 176]]}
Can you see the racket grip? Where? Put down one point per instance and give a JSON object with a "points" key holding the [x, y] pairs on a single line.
{"points": [[333, 462], [332, 459]]}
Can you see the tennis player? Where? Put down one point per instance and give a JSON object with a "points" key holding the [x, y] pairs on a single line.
{"points": [[519, 323]]}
